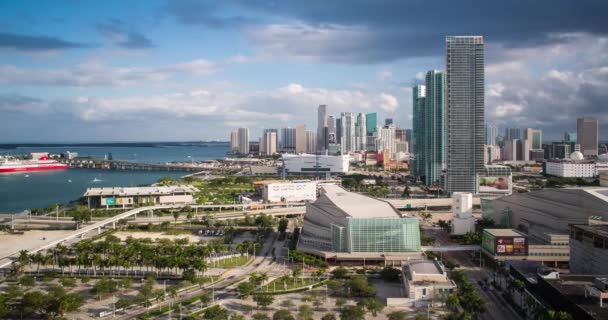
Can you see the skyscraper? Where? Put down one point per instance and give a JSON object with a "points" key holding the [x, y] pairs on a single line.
{"points": [[587, 135], [338, 130], [371, 121], [400, 135], [268, 145], [570, 136], [321, 125], [386, 140], [300, 139], [434, 122], [234, 141], [491, 133], [408, 137], [512, 134], [311, 141], [465, 112], [243, 140], [418, 103], [388, 121], [287, 139], [535, 136], [360, 133], [348, 132], [331, 129]]}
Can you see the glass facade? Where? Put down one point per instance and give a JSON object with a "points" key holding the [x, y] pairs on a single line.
{"points": [[383, 235], [337, 238]]}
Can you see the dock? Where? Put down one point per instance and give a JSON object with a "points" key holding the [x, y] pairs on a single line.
{"points": [[89, 163]]}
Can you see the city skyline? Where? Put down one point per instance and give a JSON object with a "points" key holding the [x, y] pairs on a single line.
{"points": [[135, 72]]}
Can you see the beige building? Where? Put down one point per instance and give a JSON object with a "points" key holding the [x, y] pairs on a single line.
{"points": [[119, 197], [426, 280]]}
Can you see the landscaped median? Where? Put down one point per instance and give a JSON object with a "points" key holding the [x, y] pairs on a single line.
{"points": [[286, 285]]}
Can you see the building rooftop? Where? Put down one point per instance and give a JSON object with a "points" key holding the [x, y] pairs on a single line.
{"points": [[572, 287], [357, 205], [504, 233], [599, 229], [425, 267], [139, 191]]}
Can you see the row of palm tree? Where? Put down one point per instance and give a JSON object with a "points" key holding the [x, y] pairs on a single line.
{"points": [[121, 258]]}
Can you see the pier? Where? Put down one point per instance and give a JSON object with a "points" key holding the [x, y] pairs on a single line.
{"points": [[90, 163]]}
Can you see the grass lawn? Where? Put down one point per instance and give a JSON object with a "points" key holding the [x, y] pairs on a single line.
{"points": [[282, 285], [231, 262]]}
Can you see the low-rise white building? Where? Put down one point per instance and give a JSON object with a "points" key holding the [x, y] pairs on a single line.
{"points": [[426, 280], [575, 167], [462, 209], [312, 164], [119, 197], [295, 191]]}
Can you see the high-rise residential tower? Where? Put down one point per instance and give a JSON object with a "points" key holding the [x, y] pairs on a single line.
{"points": [[234, 141], [331, 129], [360, 133], [491, 134], [512, 134], [434, 122], [371, 121], [418, 103], [268, 143], [287, 139], [587, 135], [300, 139], [311, 142], [348, 143], [321, 128], [243, 140], [465, 112]]}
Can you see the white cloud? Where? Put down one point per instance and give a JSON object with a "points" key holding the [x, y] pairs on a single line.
{"points": [[385, 75], [389, 102]]}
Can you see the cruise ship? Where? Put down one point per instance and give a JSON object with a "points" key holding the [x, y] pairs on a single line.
{"points": [[9, 164]]}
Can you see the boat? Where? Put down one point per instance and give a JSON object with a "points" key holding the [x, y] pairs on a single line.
{"points": [[9, 164]]}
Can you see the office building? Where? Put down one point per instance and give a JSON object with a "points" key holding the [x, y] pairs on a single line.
{"points": [[400, 135], [462, 211], [434, 122], [338, 131], [287, 140], [371, 122], [346, 222], [234, 141], [331, 130], [321, 128], [388, 121], [348, 143], [409, 138], [300, 139], [360, 133], [569, 137], [418, 104], [491, 134], [316, 164], [311, 142], [575, 167], [523, 149], [512, 134], [386, 142], [243, 141], [465, 112], [535, 136], [587, 136]]}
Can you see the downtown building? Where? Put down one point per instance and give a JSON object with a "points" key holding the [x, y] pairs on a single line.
{"points": [[322, 128], [243, 141], [465, 113], [348, 126], [434, 122], [418, 103], [587, 136]]}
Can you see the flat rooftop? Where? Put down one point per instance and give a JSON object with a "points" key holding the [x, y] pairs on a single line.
{"points": [[357, 205], [504, 233], [139, 191], [597, 229], [425, 267], [572, 287]]}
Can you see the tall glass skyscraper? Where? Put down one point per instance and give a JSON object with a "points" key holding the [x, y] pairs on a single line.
{"points": [[372, 122], [587, 135], [465, 112], [321, 128], [418, 103], [491, 134], [434, 122], [360, 133], [348, 132]]}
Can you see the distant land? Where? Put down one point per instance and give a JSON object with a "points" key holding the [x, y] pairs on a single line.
{"points": [[9, 146]]}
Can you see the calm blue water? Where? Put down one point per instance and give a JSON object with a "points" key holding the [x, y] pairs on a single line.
{"points": [[27, 190]]}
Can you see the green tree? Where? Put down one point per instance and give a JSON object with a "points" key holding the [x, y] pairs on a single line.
{"points": [[282, 315], [175, 215], [397, 315], [263, 300], [389, 273], [339, 273], [352, 313], [245, 289], [260, 316], [328, 316], [216, 313], [340, 302], [205, 298], [372, 305], [305, 312]]}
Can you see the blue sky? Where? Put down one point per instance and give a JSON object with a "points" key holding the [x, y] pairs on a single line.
{"points": [[192, 70]]}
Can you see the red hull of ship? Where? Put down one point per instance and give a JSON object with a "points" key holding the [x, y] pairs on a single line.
{"points": [[34, 168]]}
